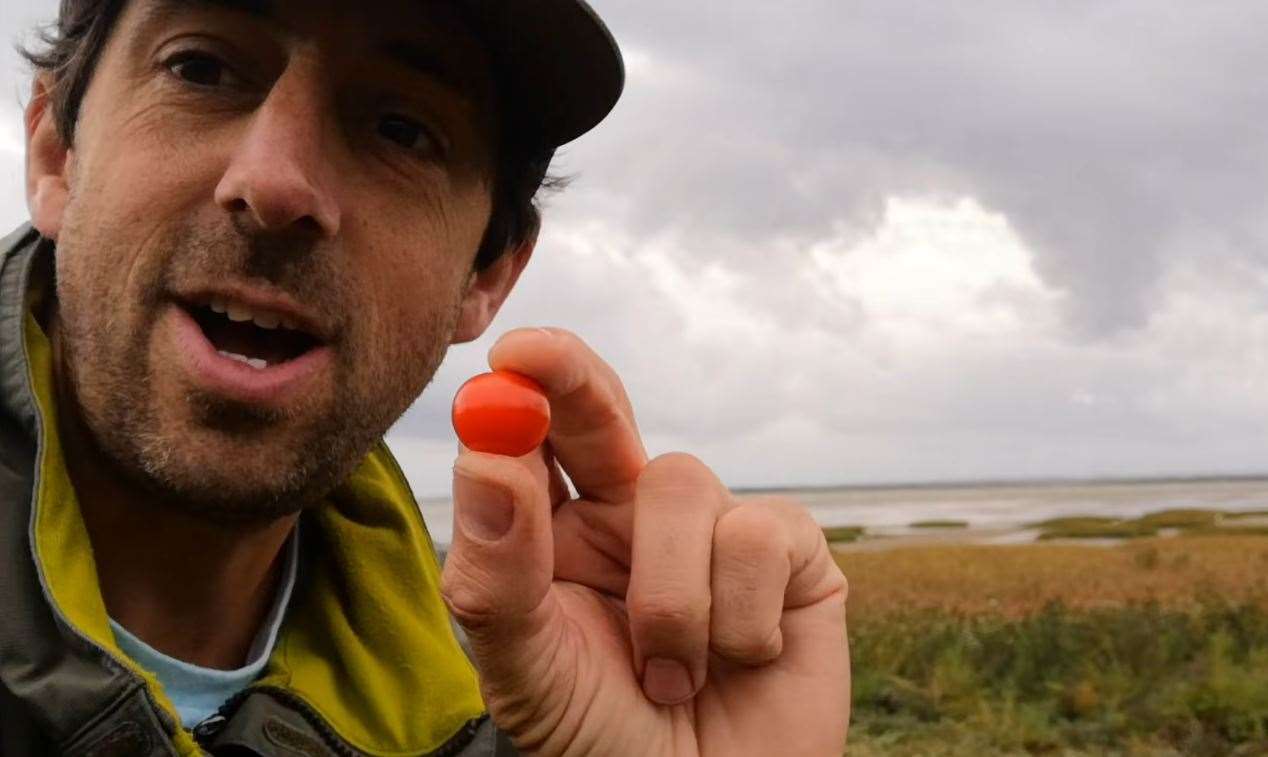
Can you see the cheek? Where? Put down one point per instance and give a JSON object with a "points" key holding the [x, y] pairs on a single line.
{"points": [[414, 280], [128, 211], [417, 306], [111, 258], [407, 313], [140, 170], [94, 254], [140, 194]]}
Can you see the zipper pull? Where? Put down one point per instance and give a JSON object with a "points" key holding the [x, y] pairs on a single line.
{"points": [[210, 726], [206, 730]]}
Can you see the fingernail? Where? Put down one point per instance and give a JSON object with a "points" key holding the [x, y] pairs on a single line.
{"points": [[667, 681], [485, 511]]}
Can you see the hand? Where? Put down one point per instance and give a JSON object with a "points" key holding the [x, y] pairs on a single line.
{"points": [[652, 614]]}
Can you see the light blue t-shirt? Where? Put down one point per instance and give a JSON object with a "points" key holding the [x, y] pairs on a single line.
{"points": [[199, 692]]}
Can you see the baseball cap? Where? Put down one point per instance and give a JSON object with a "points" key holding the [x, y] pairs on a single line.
{"points": [[561, 69]]}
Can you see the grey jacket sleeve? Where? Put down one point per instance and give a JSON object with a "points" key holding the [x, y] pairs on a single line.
{"points": [[490, 741]]}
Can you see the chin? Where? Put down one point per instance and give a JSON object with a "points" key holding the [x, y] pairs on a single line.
{"points": [[238, 466], [228, 488]]}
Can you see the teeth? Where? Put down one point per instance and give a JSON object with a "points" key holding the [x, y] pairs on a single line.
{"points": [[242, 314], [257, 363], [234, 356], [266, 321]]}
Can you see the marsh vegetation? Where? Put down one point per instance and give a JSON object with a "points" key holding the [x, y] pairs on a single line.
{"points": [[1156, 646]]}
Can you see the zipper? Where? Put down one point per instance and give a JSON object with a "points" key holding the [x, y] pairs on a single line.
{"points": [[209, 728], [460, 740], [328, 735]]}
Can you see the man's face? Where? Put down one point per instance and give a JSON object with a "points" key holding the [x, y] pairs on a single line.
{"points": [[273, 213]]}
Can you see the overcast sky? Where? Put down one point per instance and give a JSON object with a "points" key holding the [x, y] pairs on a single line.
{"points": [[828, 241]]}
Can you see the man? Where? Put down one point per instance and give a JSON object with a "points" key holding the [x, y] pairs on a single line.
{"points": [[256, 226]]}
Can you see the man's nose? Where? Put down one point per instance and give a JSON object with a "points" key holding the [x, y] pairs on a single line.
{"points": [[279, 173]]}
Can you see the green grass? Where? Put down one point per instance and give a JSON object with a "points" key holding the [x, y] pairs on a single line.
{"points": [[1247, 514], [1227, 531], [1182, 518], [1194, 521], [1088, 527], [1093, 528], [1131, 679], [843, 534], [934, 524], [1078, 521]]}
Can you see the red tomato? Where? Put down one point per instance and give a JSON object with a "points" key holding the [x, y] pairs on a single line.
{"points": [[503, 412]]}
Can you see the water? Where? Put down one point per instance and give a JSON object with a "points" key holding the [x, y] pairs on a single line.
{"points": [[893, 509]]}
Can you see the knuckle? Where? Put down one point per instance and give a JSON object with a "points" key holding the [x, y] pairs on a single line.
{"points": [[678, 471], [750, 530], [566, 337], [663, 613], [676, 462], [842, 586], [833, 587], [751, 647], [796, 522], [778, 502], [468, 595], [797, 513]]}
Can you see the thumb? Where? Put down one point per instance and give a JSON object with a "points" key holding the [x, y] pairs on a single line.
{"points": [[498, 573]]}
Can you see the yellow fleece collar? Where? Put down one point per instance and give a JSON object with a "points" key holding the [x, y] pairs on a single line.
{"points": [[367, 642]]}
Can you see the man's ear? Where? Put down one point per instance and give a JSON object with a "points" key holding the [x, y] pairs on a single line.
{"points": [[47, 162], [488, 289]]}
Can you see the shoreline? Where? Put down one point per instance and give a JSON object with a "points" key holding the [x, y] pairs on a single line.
{"points": [[1082, 529]]}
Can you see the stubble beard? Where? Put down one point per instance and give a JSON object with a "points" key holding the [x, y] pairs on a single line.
{"points": [[107, 366]]}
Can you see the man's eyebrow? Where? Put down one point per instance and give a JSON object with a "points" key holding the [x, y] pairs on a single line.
{"points": [[254, 7], [420, 60], [410, 55], [261, 8]]}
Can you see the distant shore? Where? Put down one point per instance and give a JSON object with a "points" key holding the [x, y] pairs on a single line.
{"points": [[993, 512], [1006, 483], [1099, 530]]}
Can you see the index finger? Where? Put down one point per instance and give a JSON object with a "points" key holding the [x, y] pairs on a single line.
{"points": [[592, 428]]}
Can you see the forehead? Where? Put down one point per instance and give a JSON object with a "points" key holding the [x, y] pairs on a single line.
{"points": [[431, 37]]}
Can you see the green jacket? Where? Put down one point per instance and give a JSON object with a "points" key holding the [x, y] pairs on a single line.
{"points": [[366, 661]]}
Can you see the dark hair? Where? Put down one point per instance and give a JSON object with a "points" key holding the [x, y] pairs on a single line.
{"points": [[73, 45]]}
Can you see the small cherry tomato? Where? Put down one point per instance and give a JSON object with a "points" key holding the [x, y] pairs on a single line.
{"points": [[503, 412]]}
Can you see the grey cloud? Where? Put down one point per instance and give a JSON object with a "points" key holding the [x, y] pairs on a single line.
{"points": [[1123, 141], [1105, 132], [1108, 133]]}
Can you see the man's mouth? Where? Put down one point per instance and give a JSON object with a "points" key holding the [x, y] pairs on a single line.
{"points": [[255, 348], [257, 338]]}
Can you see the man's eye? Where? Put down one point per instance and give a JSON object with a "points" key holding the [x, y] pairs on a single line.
{"points": [[200, 69], [407, 133]]}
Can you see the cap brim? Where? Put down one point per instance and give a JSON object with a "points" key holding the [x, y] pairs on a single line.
{"points": [[561, 68]]}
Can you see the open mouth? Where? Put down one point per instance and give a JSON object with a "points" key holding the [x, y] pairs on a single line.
{"points": [[257, 339]]}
